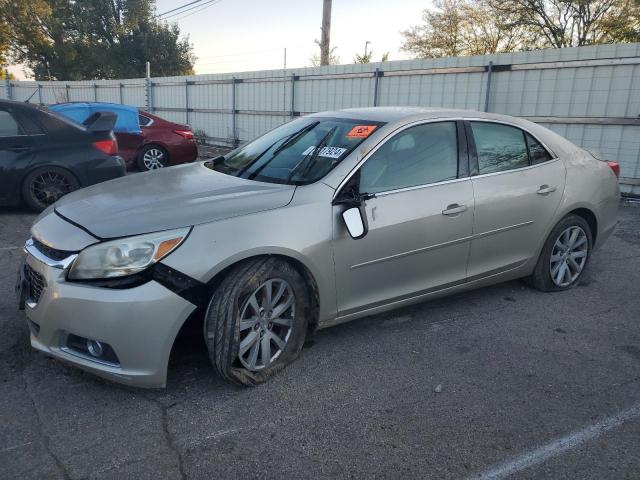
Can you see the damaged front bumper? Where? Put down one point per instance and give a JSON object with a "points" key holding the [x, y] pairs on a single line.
{"points": [[135, 327]]}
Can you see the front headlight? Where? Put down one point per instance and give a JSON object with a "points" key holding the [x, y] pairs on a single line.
{"points": [[125, 256]]}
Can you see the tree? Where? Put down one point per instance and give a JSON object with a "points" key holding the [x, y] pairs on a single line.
{"points": [[364, 58], [315, 59], [565, 23], [90, 39], [477, 27], [462, 27]]}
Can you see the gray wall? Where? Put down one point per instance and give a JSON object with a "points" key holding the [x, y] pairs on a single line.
{"points": [[591, 95]]}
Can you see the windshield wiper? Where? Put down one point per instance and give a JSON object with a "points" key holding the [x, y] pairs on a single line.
{"points": [[310, 157], [294, 137]]}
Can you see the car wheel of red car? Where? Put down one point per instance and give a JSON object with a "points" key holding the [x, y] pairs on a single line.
{"points": [[152, 157]]}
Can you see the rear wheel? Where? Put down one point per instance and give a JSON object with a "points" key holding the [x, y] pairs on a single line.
{"points": [[256, 321], [46, 185], [152, 157], [564, 256]]}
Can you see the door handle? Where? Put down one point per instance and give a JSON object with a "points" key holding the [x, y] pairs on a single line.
{"points": [[545, 190], [18, 148], [454, 209]]}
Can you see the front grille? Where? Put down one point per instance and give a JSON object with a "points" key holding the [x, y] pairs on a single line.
{"points": [[52, 253], [37, 284]]}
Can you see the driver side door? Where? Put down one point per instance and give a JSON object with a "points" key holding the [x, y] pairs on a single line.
{"points": [[420, 220]]}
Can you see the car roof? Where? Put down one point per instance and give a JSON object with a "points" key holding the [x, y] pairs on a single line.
{"points": [[398, 116], [394, 114], [106, 105]]}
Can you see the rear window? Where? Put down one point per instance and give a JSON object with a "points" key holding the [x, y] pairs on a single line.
{"points": [[297, 153]]}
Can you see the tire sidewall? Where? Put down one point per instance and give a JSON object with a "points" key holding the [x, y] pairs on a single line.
{"points": [[545, 258], [34, 203], [165, 159], [243, 286]]}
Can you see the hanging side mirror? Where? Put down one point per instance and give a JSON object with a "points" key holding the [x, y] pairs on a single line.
{"points": [[355, 219]]}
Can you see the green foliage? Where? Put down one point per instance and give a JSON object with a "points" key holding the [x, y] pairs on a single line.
{"points": [[92, 39], [477, 27]]}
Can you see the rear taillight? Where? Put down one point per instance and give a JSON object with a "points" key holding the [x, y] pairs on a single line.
{"points": [[188, 134], [615, 166], [110, 147]]}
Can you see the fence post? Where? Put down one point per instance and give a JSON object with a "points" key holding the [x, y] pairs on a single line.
{"points": [[66, 87], [233, 112], [7, 85], [95, 92], [40, 94], [488, 90], [186, 99], [148, 90], [377, 74], [293, 96], [120, 93]]}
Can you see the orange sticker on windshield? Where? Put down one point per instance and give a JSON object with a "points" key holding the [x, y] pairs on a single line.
{"points": [[361, 131]]}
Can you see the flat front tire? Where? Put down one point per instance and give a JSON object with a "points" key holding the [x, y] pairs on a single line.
{"points": [[256, 321], [564, 256]]}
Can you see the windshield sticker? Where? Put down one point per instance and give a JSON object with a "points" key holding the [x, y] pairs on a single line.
{"points": [[328, 152], [361, 131]]}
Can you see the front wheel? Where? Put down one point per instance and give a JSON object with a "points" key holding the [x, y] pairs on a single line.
{"points": [[257, 319], [564, 256]]}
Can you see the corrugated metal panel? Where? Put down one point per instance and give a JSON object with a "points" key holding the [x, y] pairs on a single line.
{"points": [[582, 93]]}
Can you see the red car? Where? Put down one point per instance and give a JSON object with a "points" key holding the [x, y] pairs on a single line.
{"points": [[144, 139], [163, 143]]}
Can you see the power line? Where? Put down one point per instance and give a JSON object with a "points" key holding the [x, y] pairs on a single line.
{"points": [[202, 6], [179, 8]]}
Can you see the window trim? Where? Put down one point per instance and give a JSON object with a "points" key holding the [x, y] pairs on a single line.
{"points": [[463, 151], [16, 119], [474, 167], [148, 118]]}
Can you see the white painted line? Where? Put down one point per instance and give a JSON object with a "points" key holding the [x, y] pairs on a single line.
{"points": [[559, 446], [9, 248]]}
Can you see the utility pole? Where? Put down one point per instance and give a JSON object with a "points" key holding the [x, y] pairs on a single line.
{"points": [[366, 44], [325, 49]]}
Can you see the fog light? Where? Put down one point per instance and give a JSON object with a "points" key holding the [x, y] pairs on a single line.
{"points": [[95, 348]]}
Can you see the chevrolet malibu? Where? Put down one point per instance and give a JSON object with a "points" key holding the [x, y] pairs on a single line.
{"points": [[328, 218]]}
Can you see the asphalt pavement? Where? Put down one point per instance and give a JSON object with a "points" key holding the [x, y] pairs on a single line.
{"points": [[498, 382]]}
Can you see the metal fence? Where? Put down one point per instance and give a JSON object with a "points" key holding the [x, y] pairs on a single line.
{"points": [[591, 95]]}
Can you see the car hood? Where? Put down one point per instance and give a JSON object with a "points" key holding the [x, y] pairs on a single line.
{"points": [[169, 198]]}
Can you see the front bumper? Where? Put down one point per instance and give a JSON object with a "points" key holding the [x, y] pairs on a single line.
{"points": [[139, 323]]}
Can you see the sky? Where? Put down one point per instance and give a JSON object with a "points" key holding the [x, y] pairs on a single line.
{"points": [[240, 35], [244, 35]]}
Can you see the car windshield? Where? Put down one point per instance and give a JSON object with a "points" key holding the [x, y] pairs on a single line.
{"points": [[297, 153]]}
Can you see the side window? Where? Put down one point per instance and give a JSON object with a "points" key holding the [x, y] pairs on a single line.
{"points": [[537, 152], [29, 125], [8, 125], [416, 156], [144, 121], [499, 147]]}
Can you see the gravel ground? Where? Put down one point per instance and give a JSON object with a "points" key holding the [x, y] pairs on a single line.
{"points": [[446, 389]]}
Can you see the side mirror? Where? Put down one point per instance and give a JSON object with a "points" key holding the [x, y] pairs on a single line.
{"points": [[355, 219]]}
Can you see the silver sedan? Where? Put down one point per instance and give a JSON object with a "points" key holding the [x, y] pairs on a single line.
{"points": [[328, 218]]}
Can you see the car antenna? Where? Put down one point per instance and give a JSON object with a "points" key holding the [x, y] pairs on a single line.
{"points": [[34, 92]]}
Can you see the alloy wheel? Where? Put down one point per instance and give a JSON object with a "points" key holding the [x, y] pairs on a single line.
{"points": [[153, 159], [569, 256], [48, 187], [266, 321]]}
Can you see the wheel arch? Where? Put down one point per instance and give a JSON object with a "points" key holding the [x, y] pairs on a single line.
{"points": [[590, 217], [195, 322]]}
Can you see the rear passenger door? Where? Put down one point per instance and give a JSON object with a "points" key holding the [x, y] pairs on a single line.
{"points": [[517, 186]]}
